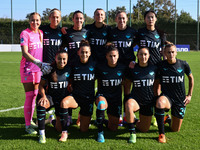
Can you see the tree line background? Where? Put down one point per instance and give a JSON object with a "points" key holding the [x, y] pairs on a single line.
{"points": [[165, 9]]}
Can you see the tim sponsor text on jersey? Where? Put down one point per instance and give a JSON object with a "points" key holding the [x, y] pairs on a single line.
{"points": [[78, 77], [151, 44], [172, 79], [59, 85], [112, 82], [98, 41], [55, 42], [122, 43], [143, 83]]}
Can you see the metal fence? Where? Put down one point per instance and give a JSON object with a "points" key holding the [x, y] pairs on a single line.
{"points": [[85, 5]]}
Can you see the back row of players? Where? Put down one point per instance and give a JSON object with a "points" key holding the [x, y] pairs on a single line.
{"points": [[110, 68]]}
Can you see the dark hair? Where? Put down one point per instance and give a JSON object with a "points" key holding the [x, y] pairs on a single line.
{"points": [[76, 12], [152, 11], [119, 12], [110, 47], [97, 10], [84, 43], [62, 51]]}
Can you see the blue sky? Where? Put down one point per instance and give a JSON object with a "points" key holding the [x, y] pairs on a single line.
{"points": [[22, 7]]}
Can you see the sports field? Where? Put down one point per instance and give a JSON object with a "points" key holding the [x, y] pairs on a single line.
{"points": [[13, 136]]}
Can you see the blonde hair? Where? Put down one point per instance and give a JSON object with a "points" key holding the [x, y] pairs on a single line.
{"points": [[35, 13]]}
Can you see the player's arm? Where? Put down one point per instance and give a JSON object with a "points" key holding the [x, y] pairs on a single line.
{"points": [[190, 89], [26, 54]]}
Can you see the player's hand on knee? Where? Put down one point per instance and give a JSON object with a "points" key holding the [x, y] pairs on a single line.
{"points": [[42, 101]]}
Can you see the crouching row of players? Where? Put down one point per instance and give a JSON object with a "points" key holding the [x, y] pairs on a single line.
{"points": [[111, 74]]}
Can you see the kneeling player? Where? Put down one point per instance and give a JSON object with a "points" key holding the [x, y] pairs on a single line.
{"points": [[83, 74], [173, 96], [57, 81], [142, 77], [109, 96]]}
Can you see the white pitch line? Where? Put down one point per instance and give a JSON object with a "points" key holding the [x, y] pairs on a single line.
{"points": [[10, 109]]}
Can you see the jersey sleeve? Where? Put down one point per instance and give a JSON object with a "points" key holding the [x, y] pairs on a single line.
{"points": [[24, 38], [187, 68]]}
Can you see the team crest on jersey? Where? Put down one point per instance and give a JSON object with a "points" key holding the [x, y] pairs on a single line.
{"points": [[179, 70], [165, 69], [46, 32], [105, 73], [71, 36], [91, 68], [151, 73], [104, 33], [128, 36], [157, 36], [22, 40], [114, 35], [136, 72], [119, 73], [67, 74], [66, 49], [59, 34], [84, 36], [142, 34], [76, 68]]}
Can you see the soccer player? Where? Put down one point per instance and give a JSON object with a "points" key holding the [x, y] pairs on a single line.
{"points": [[109, 95], [83, 77], [31, 46], [123, 37], [173, 94], [57, 81], [52, 36], [98, 35], [142, 78], [151, 37], [72, 39]]}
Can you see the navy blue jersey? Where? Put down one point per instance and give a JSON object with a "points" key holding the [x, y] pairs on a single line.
{"points": [[97, 38], [110, 79], [51, 42], [72, 41], [124, 40], [172, 80], [83, 76], [154, 41], [57, 82], [143, 79]]}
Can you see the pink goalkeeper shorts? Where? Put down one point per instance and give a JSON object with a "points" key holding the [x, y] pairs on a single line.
{"points": [[34, 77]]}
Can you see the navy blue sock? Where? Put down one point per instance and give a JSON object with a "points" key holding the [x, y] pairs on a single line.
{"points": [[41, 116], [131, 127], [63, 118], [100, 118], [159, 114]]}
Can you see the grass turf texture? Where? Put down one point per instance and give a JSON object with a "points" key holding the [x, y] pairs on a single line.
{"points": [[13, 136]]}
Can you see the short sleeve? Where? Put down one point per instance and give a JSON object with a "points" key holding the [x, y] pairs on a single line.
{"points": [[24, 37]]}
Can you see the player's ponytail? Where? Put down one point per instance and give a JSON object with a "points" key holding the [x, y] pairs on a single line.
{"points": [[168, 44]]}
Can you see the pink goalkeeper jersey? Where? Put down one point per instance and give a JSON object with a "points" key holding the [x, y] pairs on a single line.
{"points": [[35, 48]]}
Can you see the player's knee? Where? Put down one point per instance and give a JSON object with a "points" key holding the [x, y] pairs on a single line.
{"points": [[161, 103], [101, 105], [129, 104], [64, 104]]}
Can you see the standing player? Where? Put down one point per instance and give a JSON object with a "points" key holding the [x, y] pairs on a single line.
{"points": [[83, 77], [153, 39], [109, 95], [98, 35], [57, 81], [52, 36], [123, 37], [72, 39], [173, 96], [31, 46], [142, 77]]}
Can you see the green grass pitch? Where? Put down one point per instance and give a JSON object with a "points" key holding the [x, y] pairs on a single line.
{"points": [[13, 136]]}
